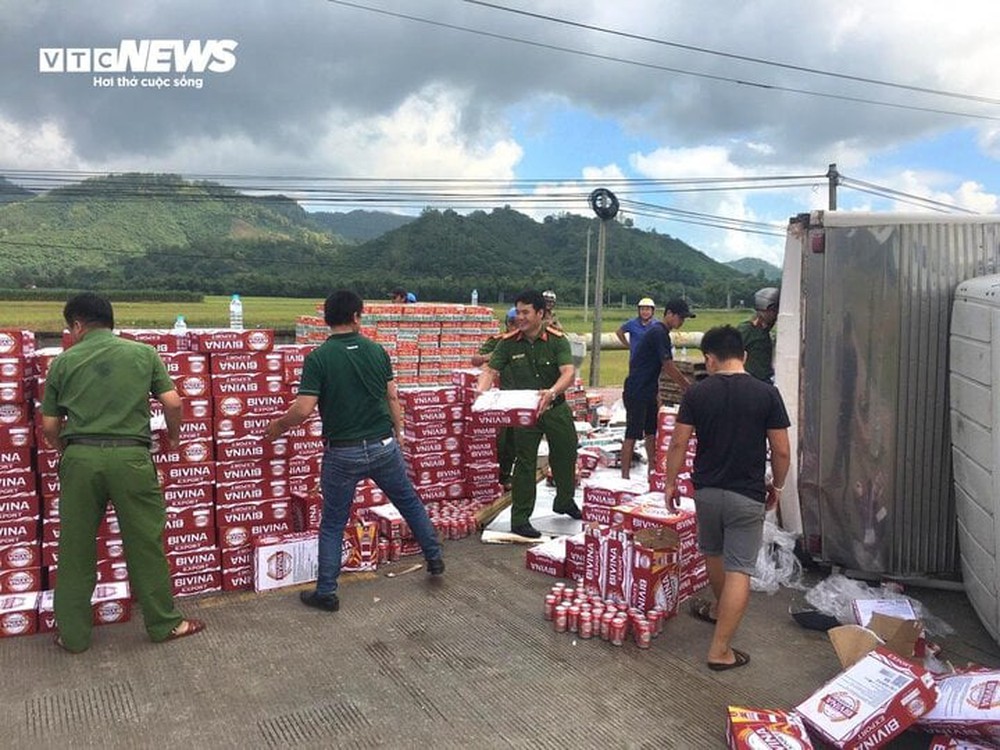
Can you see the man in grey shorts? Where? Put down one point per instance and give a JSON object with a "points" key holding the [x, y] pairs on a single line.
{"points": [[736, 418]]}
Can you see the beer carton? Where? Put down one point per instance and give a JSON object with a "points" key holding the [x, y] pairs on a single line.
{"points": [[285, 560]]}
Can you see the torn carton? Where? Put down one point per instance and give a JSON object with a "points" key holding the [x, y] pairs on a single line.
{"points": [[753, 728], [968, 707]]}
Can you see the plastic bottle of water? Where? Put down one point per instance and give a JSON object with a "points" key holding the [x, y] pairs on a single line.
{"points": [[180, 325], [475, 296], [236, 313]]}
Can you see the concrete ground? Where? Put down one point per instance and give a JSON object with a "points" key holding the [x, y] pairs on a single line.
{"points": [[462, 661]]}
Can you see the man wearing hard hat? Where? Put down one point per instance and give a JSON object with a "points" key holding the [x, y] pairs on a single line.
{"points": [[550, 309], [756, 334], [637, 326]]}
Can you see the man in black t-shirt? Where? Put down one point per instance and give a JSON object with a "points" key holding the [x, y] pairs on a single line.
{"points": [[736, 418]]}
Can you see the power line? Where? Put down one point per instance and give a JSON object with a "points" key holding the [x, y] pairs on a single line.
{"points": [[734, 56], [665, 68]]}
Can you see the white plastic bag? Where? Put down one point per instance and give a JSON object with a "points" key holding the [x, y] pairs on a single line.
{"points": [[777, 564]]}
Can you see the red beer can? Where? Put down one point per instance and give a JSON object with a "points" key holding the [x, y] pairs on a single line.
{"points": [[616, 631], [550, 606], [655, 617], [585, 627], [573, 618], [642, 632], [559, 620], [606, 619], [383, 551]]}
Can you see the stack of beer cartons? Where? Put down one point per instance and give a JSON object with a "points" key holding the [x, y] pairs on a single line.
{"points": [[20, 559], [432, 425], [603, 492], [479, 444], [666, 418], [251, 486], [303, 468]]}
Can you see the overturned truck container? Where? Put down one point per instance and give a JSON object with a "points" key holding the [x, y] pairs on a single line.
{"points": [[862, 359]]}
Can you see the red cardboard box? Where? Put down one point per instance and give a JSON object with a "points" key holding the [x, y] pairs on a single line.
{"points": [[434, 430], [656, 570], [108, 571], [191, 408], [515, 408], [229, 472], [185, 541], [247, 384], [242, 534], [254, 490], [237, 579], [413, 398], [247, 404], [16, 458], [20, 581], [287, 559], [548, 558], [185, 496], [752, 728], [190, 452], [15, 415], [193, 386], [23, 505], [14, 436], [214, 340], [192, 584], [360, 547], [20, 555], [18, 531], [237, 557], [194, 561], [188, 519], [250, 448], [870, 703], [243, 363], [417, 415], [15, 343], [164, 340], [19, 614], [185, 474], [182, 364], [227, 428]]}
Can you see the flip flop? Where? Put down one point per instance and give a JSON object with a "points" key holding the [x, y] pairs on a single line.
{"points": [[701, 609], [741, 660], [190, 627]]}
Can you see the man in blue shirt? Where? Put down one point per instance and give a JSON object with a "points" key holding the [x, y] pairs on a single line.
{"points": [[637, 326], [653, 355]]}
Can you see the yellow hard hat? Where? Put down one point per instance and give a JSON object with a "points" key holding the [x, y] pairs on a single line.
{"points": [[646, 302]]}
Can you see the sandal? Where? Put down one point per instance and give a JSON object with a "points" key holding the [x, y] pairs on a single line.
{"points": [[740, 659], [701, 609], [186, 628]]}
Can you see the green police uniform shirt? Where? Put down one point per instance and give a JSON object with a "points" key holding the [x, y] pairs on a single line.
{"points": [[349, 374], [102, 384], [533, 365], [759, 348]]}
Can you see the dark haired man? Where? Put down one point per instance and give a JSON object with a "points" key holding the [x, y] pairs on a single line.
{"points": [[653, 356], [537, 357], [736, 418], [350, 378], [95, 412]]}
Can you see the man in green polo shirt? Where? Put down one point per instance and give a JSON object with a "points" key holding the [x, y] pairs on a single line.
{"points": [[756, 334], [537, 357], [95, 412], [350, 378]]}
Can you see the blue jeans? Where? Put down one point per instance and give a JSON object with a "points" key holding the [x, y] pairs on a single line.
{"points": [[343, 468]]}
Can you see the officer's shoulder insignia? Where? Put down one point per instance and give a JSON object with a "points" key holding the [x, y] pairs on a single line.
{"points": [[555, 331], [509, 335]]}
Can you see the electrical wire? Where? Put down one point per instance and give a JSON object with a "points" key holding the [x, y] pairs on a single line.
{"points": [[666, 68]]}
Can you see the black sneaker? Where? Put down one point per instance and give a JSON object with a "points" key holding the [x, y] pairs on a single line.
{"points": [[436, 566], [526, 530], [328, 603], [572, 512]]}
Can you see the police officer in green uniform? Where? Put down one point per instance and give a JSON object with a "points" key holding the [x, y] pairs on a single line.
{"points": [[505, 437], [95, 411], [757, 334], [538, 357]]}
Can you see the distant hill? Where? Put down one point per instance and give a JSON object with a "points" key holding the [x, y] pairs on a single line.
{"points": [[11, 193], [755, 266], [360, 226], [143, 231]]}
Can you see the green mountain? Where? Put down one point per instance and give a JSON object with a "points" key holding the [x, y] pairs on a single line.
{"points": [[88, 232], [11, 193], [359, 226], [141, 231], [756, 266]]}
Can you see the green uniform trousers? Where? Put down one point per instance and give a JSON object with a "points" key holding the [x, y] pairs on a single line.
{"points": [[90, 476], [505, 453], [556, 424]]}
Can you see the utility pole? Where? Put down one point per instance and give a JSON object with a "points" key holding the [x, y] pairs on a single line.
{"points": [[586, 277], [834, 177], [605, 205]]}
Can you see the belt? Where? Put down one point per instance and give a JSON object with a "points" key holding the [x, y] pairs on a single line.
{"points": [[384, 440], [107, 442]]}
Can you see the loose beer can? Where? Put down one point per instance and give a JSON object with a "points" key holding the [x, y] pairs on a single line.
{"points": [[655, 617], [569, 594], [559, 620], [550, 606], [606, 619], [573, 618], [586, 625], [616, 631], [642, 632], [383, 551]]}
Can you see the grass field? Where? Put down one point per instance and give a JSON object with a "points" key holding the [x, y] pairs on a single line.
{"points": [[280, 313]]}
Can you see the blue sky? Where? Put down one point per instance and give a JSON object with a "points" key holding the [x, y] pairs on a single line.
{"points": [[540, 100]]}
